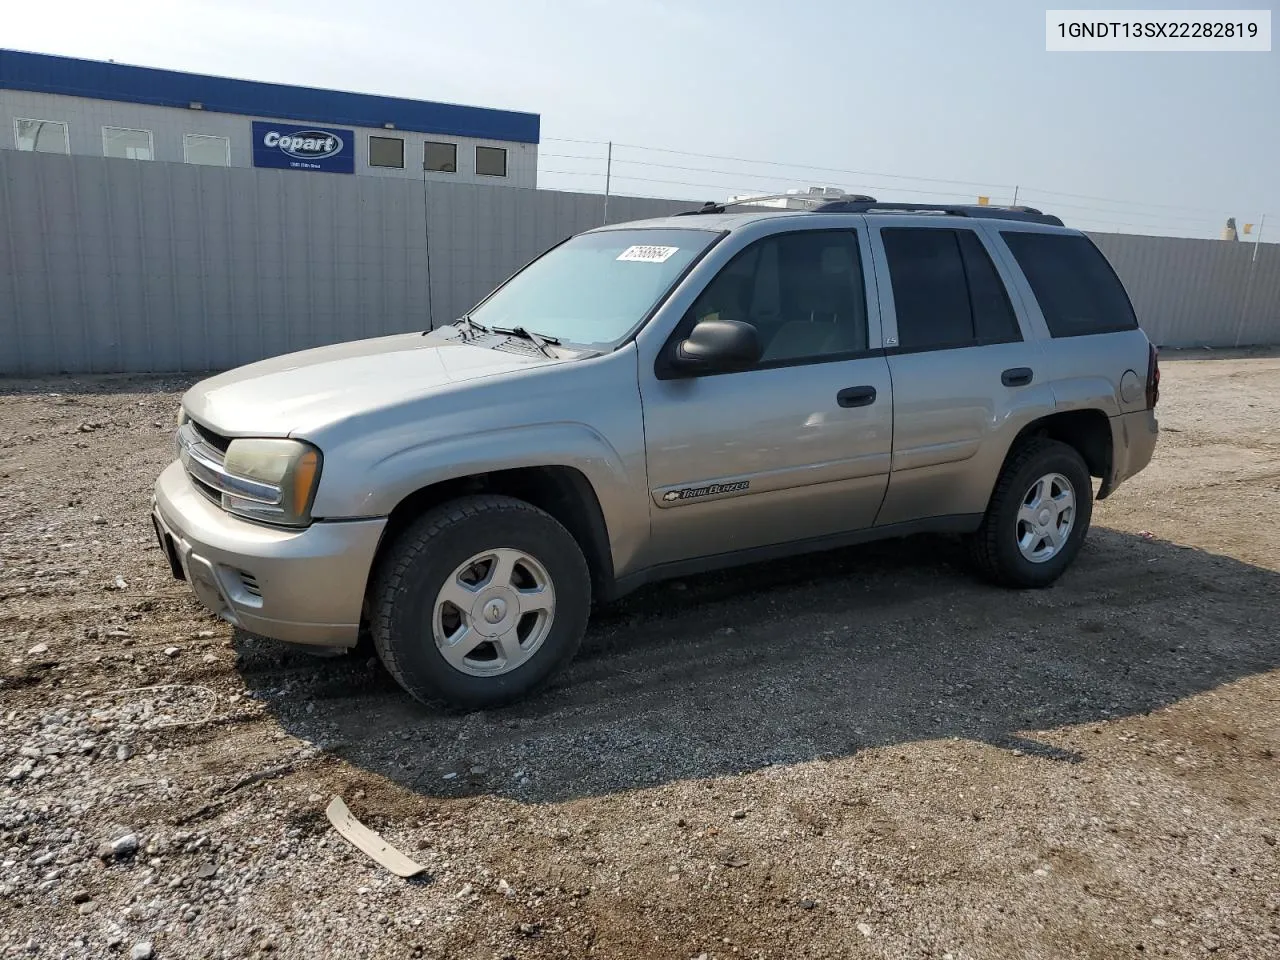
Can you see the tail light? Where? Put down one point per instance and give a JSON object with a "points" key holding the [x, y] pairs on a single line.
{"points": [[1153, 377]]}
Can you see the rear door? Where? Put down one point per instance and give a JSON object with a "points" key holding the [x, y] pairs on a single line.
{"points": [[796, 447], [1099, 356], [968, 372]]}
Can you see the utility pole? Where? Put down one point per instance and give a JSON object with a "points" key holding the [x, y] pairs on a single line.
{"points": [[1015, 196], [608, 175], [1248, 284]]}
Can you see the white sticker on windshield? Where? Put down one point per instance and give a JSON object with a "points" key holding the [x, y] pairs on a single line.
{"points": [[648, 254]]}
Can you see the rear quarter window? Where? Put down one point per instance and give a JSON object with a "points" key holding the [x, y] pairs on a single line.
{"points": [[1078, 291]]}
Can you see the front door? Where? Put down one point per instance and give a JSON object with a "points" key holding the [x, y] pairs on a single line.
{"points": [[795, 448]]}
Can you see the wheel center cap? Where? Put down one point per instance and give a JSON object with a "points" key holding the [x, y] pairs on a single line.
{"points": [[1044, 518], [495, 610]]}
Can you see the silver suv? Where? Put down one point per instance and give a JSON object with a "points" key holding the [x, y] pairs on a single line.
{"points": [[658, 398]]}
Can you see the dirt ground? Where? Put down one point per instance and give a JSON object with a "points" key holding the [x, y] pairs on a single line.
{"points": [[865, 753]]}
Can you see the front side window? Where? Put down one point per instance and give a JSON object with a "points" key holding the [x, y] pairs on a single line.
{"points": [[491, 161], [205, 150], [1077, 290], [803, 292], [594, 289], [440, 157], [946, 291], [40, 136], [386, 152], [126, 143]]}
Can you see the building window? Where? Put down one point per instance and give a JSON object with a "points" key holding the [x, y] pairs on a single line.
{"points": [[40, 136], [440, 157], [491, 161], [126, 143], [205, 150], [386, 152]]}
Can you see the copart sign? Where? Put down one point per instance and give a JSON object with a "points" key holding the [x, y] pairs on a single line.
{"points": [[303, 148]]}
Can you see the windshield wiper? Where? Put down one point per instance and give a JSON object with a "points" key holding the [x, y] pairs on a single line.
{"points": [[541, 340], [468, 326]]}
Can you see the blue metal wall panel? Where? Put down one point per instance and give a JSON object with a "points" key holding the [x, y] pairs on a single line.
{"points": [[169, 88]]}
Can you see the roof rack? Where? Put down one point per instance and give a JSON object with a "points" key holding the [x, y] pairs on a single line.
{"points": [[984, 211], [856, 203], [714, 206]]}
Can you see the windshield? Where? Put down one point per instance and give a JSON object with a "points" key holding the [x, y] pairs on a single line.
{"points": [[595, 288]]}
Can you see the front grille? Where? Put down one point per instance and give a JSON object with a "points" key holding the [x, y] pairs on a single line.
{"points": [[215, 440], [203, 454], [204, 488], [214, 444], [250, 584]]}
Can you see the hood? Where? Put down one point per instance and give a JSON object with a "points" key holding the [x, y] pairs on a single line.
{"points": [[303, 391]]}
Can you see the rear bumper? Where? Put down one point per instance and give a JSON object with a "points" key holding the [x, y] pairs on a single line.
{"points": [[1133, 442], [302, 586]]}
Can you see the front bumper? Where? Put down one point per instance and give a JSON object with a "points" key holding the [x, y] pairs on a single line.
{"points": [[301, 586]]}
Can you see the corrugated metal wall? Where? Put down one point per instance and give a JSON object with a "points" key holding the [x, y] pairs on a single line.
{"points": [[124, 266], [119, 265], [113, 265]]}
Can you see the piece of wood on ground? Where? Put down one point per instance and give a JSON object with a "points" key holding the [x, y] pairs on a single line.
{"points": [[362, 838]]}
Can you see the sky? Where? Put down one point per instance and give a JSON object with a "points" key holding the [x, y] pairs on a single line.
{"points": [[909, 99]]}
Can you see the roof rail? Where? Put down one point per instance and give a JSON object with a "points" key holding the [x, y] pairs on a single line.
{"points": [[860, 205], [713, 206]]}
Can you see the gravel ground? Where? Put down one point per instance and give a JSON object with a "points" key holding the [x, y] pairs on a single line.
{"points": [[860, 754]]}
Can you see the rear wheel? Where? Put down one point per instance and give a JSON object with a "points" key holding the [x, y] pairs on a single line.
{"points": [[1038, 516], [480, 602]]}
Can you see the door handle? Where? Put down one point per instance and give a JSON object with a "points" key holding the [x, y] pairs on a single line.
{"points": [[1016, 376], [856, 396]]}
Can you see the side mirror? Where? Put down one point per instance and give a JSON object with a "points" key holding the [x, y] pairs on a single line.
{"points": [[717, 345]]}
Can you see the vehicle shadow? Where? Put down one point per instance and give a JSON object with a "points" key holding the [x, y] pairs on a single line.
{"points": [[812, 658]]}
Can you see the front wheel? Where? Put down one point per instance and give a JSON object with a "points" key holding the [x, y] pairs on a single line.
{"points": [[480, 602], [1038, 516]]}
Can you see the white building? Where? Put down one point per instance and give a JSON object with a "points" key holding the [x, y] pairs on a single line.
{"points": [[64, 105]]}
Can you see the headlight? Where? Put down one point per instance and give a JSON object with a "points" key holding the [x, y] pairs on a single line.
{"points": [[282, 475]]}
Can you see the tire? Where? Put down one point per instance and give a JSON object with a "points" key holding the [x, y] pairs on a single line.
{"points": [[413, 626], [996, 545]]}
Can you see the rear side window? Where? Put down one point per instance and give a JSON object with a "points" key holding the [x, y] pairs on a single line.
{"points": [[1078, 291], [993, 319], [946, 291]]}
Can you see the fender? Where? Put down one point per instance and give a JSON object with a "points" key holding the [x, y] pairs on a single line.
{"points": [[1086, 393], [618, 481]]}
